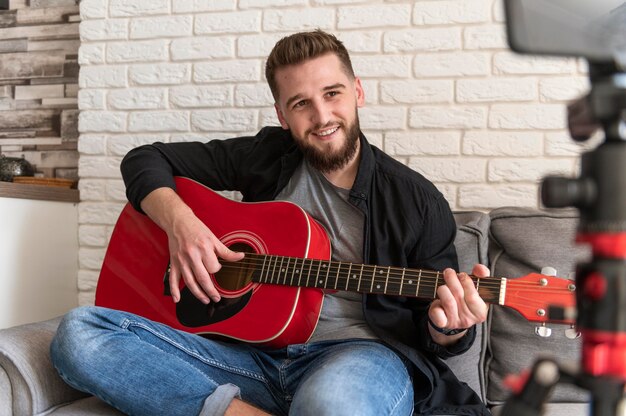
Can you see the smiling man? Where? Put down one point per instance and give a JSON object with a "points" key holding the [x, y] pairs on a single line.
{"points": [[370, 354]]}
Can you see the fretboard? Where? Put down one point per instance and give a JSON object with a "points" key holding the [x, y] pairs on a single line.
{"points": [[351, 277]]}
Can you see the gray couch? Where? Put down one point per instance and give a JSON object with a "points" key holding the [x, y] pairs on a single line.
{"points": [[513, 241]]}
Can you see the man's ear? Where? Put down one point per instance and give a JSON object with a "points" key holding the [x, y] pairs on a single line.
{"points": [[281, 118], [360, 92]]}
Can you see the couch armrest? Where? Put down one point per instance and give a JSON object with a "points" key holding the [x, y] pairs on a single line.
{"points": [[29, 384]]}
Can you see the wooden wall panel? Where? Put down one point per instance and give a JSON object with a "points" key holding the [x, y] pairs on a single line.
{"points": [[39, 44]]}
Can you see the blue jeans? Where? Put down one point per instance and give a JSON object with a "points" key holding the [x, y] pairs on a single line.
{"points": [[143, 367]]}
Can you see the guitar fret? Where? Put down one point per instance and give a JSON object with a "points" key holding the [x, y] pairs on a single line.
{"points": [[337, 275], [436, 285], [402, 280], [309, 273], [358, 287], [295, 271], [419, 281], [348, 277], [387, 280], [271, 273], [373, 278], [327, 265]]}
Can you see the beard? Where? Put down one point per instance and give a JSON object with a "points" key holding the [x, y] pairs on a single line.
{"points": [[327, 162]]}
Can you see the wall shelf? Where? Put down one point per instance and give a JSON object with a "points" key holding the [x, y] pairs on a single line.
{"points": [[38, 192]]}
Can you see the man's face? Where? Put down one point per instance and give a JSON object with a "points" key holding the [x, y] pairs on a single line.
{"points": [[318, 103]]}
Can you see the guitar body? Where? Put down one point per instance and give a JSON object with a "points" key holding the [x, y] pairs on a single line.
{"points": [[135, 276]]}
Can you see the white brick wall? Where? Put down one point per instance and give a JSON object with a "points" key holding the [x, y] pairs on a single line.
{"points": [[443, 92]]}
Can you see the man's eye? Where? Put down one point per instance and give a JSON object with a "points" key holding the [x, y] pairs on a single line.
{"points": [[332, 93], [299, 104]]}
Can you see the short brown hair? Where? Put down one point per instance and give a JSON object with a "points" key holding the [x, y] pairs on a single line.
{"points": [[300, 47]]}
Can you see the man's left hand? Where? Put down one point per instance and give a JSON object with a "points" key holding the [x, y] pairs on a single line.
{"points": [[458, 305]]}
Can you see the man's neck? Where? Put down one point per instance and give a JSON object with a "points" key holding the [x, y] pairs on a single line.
{"points": [[345, 176]]}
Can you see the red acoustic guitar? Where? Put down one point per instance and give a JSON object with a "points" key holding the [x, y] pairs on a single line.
{"points": [[274, 295]]}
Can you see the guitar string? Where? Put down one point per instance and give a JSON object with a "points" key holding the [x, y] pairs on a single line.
{"points": [[395, 277], [393, 273]]}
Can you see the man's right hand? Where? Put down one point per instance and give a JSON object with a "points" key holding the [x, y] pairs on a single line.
{"points": [[194, 249]]}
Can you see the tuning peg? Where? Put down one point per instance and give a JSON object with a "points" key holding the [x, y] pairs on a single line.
{"points": [[548, 271], [543, 331], [572, 332]]}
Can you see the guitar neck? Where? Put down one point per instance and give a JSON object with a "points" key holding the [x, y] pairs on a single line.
{"points": [[345, 276]]}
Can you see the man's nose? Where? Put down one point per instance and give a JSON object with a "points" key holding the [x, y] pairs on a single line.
{"points": [[320, 114]]}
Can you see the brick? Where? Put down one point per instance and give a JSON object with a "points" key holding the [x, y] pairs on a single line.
{"points": [[232, 22], [370, 88], [563, 89], [137, 98], [92, 235], [102, 121], [103, 76], [26, 65], [496, 89], [138, 51], [360, 42], [92, 144], [92, 9], [298, 19], [109, 29], [69, 125], [70, 46], [268, 117], [91, 99], [494, 196], [122, 144], [91, 54], [161, 121], [256, 46], [227, 71], [382, 118], [98, 167], [502, 143], [195, 6], [416, 91], [69, 30], [423, 143], [527, 170], [444, 169], [124, 8], [451, 12], [224, 120], [86, 298], [32, 16], [202, 47], [253, 95], [91, 189], [196, 137], [194, 96], [88, 281], [248, 4], [442, 117], [116, 191], [449, 192], [527, 116], [457, 64], [31, 92], [160, 74], [392, 66], [358, 17], [561, 144], [485, 37], [510, 63], [423, 39], [375, 138], [161, 27], [90, 258]]}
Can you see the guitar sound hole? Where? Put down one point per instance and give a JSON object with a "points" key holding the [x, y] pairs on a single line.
{"points": [[234, 276]]}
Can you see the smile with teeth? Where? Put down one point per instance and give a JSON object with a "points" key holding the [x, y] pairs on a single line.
{"points": [[327, 132]]}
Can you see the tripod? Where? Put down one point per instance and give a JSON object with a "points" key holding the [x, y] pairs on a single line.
{"points": [[600, 196]]}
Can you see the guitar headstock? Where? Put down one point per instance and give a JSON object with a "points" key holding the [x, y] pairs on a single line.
{"points": [[534, 294]]}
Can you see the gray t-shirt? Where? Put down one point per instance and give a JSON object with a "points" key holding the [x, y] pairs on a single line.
{"points": [[341, 316]]}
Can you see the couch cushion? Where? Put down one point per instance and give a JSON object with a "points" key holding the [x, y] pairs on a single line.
{"points": [[525, 240], [471, 244], [24, 356]]}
